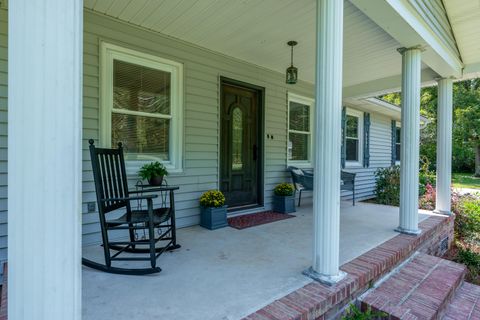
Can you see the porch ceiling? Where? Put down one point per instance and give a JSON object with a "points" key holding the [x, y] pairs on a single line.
{"points": [[257, 32], [464, 17]]}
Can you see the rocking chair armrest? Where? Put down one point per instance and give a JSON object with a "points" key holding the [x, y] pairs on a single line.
{"points": [[143, 197]]}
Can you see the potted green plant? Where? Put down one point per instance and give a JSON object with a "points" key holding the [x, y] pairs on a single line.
{"points": [[213, 211], [284, 198], [153, 172]]}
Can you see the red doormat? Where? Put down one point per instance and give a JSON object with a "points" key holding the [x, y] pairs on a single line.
{"points": [[256, 219]]}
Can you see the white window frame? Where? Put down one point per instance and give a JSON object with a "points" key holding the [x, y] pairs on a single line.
{"points": [[292, 97], [110, 52], [398, 125], [351, 163]]}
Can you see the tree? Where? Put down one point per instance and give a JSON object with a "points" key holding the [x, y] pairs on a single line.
{"points": [[467, 130], [466, 124]]}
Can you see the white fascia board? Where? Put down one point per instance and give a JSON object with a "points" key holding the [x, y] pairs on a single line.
{"points": [[401, 21], [471, 71], [385, 85]]}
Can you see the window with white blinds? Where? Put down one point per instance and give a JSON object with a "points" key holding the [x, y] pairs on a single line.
{"points": [[299, 145], [142, 107]]}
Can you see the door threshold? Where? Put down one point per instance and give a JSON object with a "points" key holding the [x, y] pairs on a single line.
{"points": [[242, 210]]}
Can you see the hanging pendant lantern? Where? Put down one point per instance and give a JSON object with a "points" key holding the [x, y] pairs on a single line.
{"points": [[292, 72]]}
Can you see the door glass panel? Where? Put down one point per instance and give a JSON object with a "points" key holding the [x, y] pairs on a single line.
{"points": [[237, 139]]}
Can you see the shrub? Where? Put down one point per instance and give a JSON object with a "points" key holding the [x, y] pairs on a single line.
{"points": [[212, 198], [427, 201], [353, 313], [152, 169], [470, 259], [425, 176], [283, 189], [467, 221], [387, 189]]}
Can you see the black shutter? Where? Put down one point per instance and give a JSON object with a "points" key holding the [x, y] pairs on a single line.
{"points": [[344, 121], [394, 142], [366, 140]]}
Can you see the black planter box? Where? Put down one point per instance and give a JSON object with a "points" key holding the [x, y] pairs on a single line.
{"points": [[213, 218], [284, 204]]}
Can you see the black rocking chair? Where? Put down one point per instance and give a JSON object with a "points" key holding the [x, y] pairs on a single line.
{"points": [[112, 195]]}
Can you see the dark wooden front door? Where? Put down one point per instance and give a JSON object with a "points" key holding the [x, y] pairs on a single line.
{"points": [[240, 152]]}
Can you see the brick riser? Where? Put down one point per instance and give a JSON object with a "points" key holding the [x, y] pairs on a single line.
{"points": [[465, 305], [420, 289]]}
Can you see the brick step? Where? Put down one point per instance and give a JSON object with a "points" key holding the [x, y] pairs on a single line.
{"points": [[420, 289], [465, 304]]}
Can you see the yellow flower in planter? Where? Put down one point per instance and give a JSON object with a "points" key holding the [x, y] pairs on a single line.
{"points": [[283, 189], [212, 198]]}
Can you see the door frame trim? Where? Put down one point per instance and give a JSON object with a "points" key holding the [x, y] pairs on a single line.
{"points": [[260, 136]]}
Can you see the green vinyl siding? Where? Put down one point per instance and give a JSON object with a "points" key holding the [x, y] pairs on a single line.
{"points": [[202, 71]]}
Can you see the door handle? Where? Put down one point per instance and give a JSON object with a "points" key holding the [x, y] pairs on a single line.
{"points": [[254, 152]]}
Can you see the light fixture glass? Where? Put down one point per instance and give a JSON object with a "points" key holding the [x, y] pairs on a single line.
{"points": [[292, 72]]}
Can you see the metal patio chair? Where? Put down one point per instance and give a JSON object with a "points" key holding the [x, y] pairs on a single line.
{"points": [[303, 181], [348, 183], [116, 213]]}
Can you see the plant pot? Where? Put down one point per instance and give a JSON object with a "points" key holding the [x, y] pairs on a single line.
{"points": [[284, 204], [213, 218], [155, 181]]}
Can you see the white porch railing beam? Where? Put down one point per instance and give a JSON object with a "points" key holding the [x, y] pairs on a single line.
{"points": [[44, 159], [328, 92], [410, 140], [444, 145]]}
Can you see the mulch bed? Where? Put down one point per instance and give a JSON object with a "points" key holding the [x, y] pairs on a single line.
{"points": [[256, 219]]}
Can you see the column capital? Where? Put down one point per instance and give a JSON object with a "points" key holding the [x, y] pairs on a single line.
{"points": [[402, 50]]}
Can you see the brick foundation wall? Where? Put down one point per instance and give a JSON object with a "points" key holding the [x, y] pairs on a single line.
{"points": [[316, 301]]}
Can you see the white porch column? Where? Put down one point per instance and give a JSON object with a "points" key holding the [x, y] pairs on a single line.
{"points": [[44, 159], [444, 145], [328, 93], [410, 140]]}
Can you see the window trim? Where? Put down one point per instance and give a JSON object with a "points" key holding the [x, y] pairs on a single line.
{"points": [[355, 163], [109, 52], [398, 125], [292, 97]]}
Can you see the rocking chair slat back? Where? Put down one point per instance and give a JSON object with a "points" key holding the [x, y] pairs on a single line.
{"points": [[110, 177]]}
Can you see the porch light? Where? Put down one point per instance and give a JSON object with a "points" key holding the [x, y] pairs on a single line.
{"points": [[292, 72]]}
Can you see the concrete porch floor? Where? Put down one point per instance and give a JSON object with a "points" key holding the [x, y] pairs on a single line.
{"points": [[229, 273]]}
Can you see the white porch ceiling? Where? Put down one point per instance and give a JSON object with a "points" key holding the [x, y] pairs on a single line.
{"points": [[464, 17], [256, 31]]}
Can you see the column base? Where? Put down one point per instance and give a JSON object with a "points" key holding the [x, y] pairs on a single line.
{"points": [[328, 280], [408, 231], [447, 213]]}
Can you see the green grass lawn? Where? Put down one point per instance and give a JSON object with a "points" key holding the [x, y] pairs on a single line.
{"points": [[465, 180]]}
